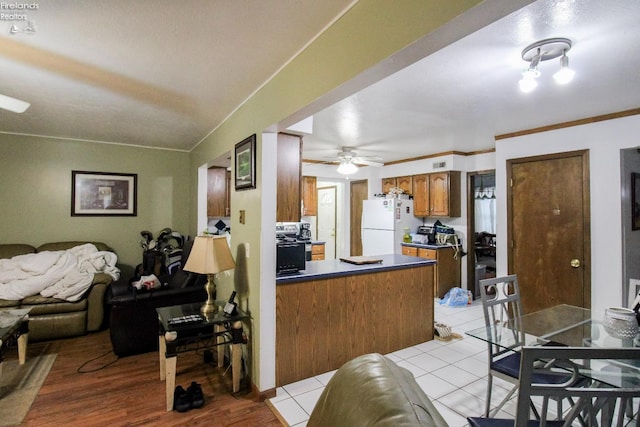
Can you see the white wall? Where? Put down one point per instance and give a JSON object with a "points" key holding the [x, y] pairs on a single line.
{"points": [[604, 140]]}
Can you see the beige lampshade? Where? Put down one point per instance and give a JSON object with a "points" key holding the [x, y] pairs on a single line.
{"points": [[209, 255]]}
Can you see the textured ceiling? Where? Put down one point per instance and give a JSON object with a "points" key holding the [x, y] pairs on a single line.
{"points": [[152, 73], [460, 97], [166, 73]]}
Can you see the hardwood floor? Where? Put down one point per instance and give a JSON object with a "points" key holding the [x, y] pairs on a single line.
{"points": [[129, 391]]}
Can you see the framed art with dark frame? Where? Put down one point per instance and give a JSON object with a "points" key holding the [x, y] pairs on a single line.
{"points": [[103, 194], [245, 164], [635, 201]]}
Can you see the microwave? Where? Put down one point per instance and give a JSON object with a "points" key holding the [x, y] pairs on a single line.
{"points": [[290, 257]]}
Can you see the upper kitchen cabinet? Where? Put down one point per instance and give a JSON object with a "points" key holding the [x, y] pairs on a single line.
{"points": [[444, 194], [388, 184], [309, 196], [218, 204], [405, 183], [289, 162], [437, 194], [421, 195]]}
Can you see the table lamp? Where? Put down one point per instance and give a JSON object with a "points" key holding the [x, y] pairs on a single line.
{"points": [[209, 255]]}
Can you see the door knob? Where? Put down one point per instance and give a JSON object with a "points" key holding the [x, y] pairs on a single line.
{"points": [[575, 263]]}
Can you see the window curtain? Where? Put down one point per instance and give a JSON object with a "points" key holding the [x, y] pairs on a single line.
{"points": [[485, 210]]}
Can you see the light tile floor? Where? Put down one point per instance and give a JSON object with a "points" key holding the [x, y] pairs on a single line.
{"points": [[453, 374]]}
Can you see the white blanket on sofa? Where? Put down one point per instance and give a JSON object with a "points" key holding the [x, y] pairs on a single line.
{"points": [[59, 274]]}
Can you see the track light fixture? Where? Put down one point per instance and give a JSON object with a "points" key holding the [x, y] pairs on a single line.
{"points": [[544, 50]]}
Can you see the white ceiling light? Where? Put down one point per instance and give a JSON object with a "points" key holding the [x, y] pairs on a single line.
{"points": [[12, 104], [565, 74], [347, 168], [544, 50]]}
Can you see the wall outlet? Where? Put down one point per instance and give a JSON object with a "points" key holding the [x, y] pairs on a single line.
{"points": [[246, 249]]}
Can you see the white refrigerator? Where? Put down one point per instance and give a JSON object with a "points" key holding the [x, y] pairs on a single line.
{"points": [[383, 224]]}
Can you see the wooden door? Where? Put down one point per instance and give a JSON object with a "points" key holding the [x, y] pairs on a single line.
{"points": [[421, 195], [549, 239], [359, 192], [439, 194]]}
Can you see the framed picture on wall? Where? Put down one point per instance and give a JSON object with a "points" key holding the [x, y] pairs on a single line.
{"points": [[245, 164], [103, 194], [635, 201]]}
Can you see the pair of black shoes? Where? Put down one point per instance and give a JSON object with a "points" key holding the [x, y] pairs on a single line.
{"points": [[192, 397]]}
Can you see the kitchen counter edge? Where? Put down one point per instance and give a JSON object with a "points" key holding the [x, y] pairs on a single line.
{"points": [[428, 246], [332, 268]]}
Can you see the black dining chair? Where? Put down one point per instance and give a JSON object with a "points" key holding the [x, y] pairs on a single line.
{"points": [[596, 402], [502, 310]]}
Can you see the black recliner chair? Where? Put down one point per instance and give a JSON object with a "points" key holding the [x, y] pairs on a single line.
{"points": [[133, 319]]}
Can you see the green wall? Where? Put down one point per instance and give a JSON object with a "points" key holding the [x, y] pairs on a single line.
{"points": [[36, 192]]}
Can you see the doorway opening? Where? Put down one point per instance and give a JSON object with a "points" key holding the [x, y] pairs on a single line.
{"points": [[326, 224], [482, 228]]}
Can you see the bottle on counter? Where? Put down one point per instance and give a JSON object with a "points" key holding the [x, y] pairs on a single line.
{"points": [[407, 235]]}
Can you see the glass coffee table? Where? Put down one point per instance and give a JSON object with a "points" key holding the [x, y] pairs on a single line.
{"points": [[183, 328], [14, 330]]}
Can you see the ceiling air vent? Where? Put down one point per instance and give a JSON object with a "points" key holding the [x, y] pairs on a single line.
{"points": [[439, 165]]}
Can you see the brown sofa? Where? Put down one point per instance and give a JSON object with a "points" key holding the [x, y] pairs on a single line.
{"points": [[52, 318], [372, 390]]}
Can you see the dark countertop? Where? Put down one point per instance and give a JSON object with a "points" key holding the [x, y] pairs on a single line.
{"points": [[335, 268], [427, 246]]}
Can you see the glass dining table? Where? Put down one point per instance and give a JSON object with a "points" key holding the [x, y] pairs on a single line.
{"points": [[567, 325]]}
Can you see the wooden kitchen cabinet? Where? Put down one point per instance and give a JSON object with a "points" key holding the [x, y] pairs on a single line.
{"points": [[437, 194], [405, 183], [309, 196], [446, 275], [289, 164], [218, 204], [444, 194], [421, 195], [409, 250], [388, 184], [317, 252]]}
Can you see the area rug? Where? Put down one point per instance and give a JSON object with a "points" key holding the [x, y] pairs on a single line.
{"points": [[19, 384]]}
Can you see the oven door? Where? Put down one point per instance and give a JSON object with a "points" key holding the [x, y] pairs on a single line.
{"points": [[290, 257]]}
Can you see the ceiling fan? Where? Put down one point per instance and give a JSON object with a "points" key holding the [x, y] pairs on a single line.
{"points": [[349, 161], [348, 155]]}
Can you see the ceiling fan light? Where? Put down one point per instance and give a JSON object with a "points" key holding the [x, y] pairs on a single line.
{"points": [[347, 168], [565, 74], [13, 104]]}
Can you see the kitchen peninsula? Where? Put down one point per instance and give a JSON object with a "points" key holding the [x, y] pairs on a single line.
{"points": [[333, 311]]}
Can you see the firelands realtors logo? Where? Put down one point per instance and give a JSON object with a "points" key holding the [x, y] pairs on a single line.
{"points": [[19, 16]]}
